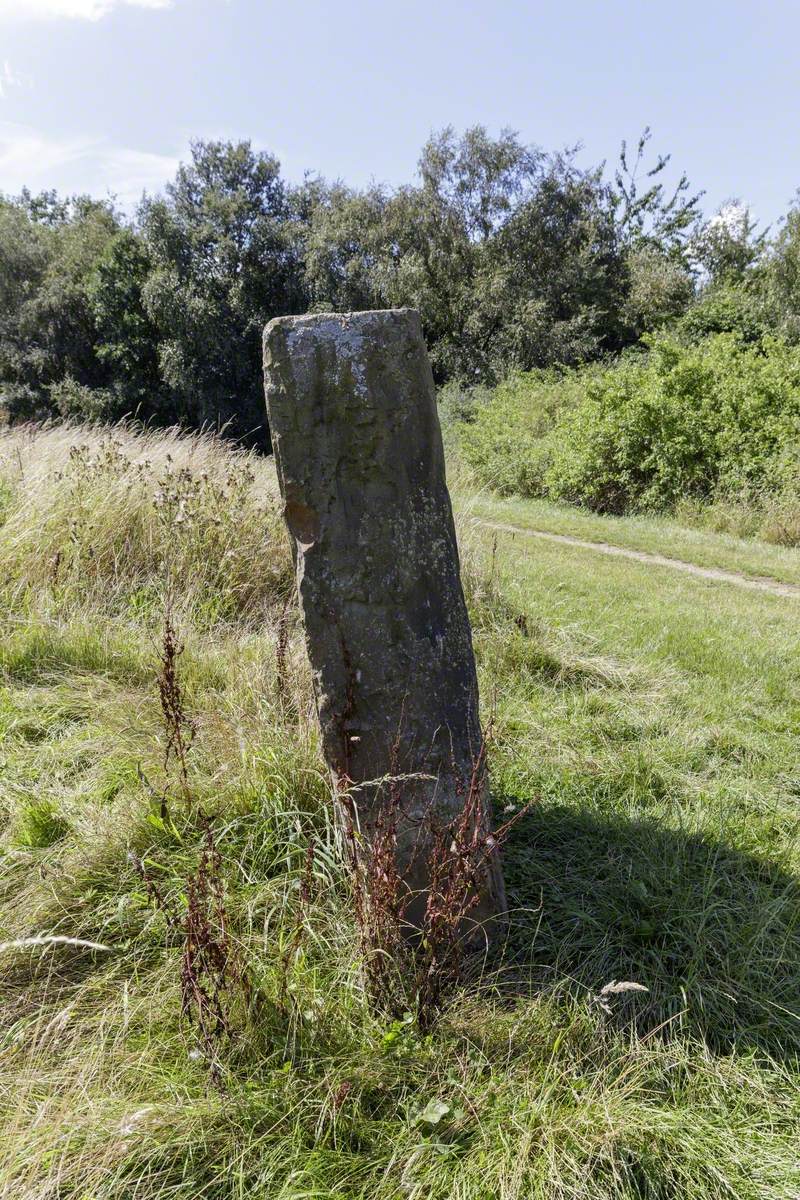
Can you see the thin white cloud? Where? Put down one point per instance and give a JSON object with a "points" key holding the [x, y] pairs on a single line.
{"points": [[9, 79], [132, 172], [79, 165], [82, 10], [732, 219]]}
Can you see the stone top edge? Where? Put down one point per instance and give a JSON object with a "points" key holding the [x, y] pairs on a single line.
{"points": [[345, 319]]}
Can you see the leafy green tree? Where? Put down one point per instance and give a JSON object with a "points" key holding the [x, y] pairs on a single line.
{"points": [[738, 306], [226, 251], [346, 257], [514, 258], [25, 251], [48, 251], [647, 212], [780, 278], [443, 229], [660, 288], [127, 342], [734, 294], [728, 244], [553, 286]]}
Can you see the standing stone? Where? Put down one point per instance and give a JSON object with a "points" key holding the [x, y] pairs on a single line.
{"points": [[352, 415]]}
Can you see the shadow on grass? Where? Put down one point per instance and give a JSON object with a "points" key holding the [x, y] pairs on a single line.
{"points": [[712, 932]]}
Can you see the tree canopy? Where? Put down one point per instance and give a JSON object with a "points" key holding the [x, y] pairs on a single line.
{"points": [[515, 257]]}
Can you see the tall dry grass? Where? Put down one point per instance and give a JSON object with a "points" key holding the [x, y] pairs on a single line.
{"points": [[107, 517], [772, 517]]}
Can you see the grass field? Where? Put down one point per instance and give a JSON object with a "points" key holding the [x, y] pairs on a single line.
{"points": [[648, 718]]}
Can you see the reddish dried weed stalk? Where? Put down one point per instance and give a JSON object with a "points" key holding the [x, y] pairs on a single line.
{"points": [[180, 730], [211, 972], [415, 965]]}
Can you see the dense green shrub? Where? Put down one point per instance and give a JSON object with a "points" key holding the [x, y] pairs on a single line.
{"points": [[688, 421], [505, 435], [685, 421], [727, 308]]}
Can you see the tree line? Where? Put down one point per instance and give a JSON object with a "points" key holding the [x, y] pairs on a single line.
{"points": [[515, 257]]}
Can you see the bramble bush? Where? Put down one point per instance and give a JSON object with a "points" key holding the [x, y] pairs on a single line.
{"points": [[720, 417], [506, 434], [690, 421]]}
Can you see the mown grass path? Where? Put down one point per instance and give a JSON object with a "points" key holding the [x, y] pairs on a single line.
{"points": [[652, 535], [775, 586]]}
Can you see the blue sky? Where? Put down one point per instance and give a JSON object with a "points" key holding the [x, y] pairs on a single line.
{"points": [[104, 95]]}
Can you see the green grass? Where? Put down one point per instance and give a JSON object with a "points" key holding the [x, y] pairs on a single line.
{"points": [[652, 534], [649, 719], [671, 787]]}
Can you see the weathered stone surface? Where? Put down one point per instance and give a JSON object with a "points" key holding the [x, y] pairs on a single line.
{"points": [[352, 414]]}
